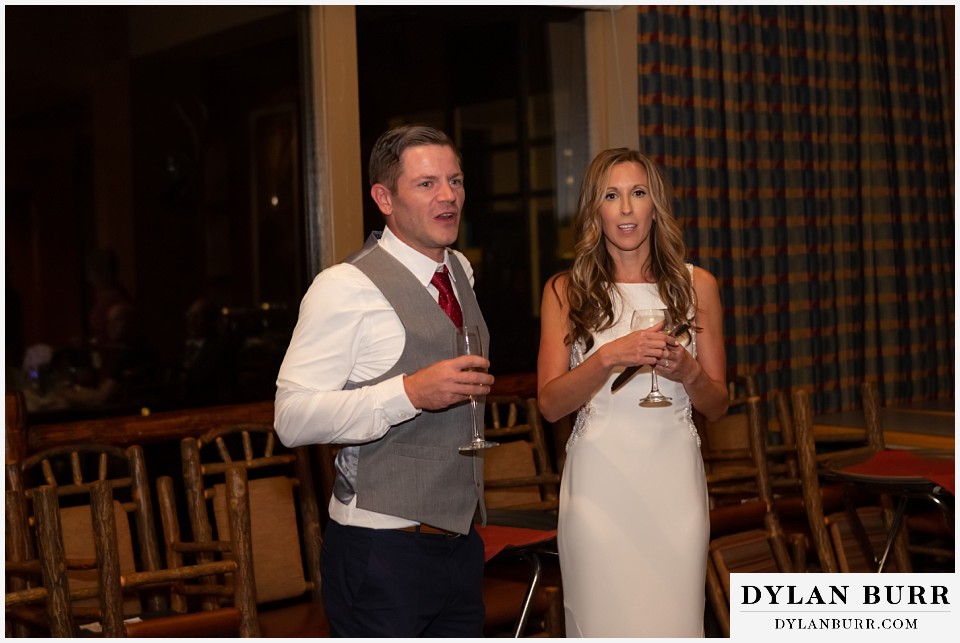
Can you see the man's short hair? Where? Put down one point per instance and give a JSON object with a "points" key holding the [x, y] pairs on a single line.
{"points": [[385, 166]]}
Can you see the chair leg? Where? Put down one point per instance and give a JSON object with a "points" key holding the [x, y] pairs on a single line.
{"points": [[718, 599], [553, 622]]}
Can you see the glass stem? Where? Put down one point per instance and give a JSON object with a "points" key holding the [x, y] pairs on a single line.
{"points": [[654, 388], [473, 416]]}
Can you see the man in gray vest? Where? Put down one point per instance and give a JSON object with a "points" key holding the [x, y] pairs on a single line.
{"points": [[373, 366]]}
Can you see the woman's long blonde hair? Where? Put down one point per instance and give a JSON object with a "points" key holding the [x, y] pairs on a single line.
{"points": [[591, 278]]}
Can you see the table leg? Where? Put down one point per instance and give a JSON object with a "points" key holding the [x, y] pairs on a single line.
{"points": [[945, 509], [892, 534], [535, 569]]}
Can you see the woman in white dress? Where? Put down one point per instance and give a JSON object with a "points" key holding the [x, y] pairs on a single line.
{"points": [[633, 518]]}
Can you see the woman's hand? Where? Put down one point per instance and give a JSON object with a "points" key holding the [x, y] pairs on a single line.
{"points": [[676, 363], [637, 348], [704, 378]]}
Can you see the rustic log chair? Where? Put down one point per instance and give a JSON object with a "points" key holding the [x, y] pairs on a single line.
{"points": [[778, 483], [762, 546], [72, 470], [751, 551], [519, 475], [115, 578], [233, 561], [284, 516], [813, 453], [791, 503], [744, 481], [725, 447], [55, 618]]}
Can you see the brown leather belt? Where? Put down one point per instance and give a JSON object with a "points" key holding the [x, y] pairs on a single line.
{"points": [[427, 529]]}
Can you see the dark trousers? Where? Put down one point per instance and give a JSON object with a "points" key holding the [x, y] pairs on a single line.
{"points": [[386, 582]]}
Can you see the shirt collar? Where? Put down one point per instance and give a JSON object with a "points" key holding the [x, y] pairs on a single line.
{"points": [[416, 262]]}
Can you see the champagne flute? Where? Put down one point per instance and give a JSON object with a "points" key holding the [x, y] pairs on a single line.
{"points": [[468, 343], [641, 319]]}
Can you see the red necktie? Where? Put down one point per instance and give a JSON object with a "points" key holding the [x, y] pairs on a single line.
{"points": [[447, 300]]}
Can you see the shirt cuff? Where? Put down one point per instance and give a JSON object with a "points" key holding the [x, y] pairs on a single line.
{"points": [[395, 403]]}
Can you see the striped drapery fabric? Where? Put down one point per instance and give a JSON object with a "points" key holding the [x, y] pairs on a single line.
{"points": [[811, 153]]}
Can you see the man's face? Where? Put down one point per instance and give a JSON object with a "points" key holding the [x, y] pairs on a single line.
{"points": [[424, 210]]}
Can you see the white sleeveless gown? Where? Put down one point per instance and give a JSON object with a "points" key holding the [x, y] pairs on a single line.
{"points": [[633, 518]]}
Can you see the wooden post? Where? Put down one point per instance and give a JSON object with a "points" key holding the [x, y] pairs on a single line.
{"points": [[787, 433], [871, 415], [53, 563], [718, 598], [197, 504], [758, 449], [15, 431], [245, 589], [18, 550], [171, 534], [809, 475], [155, 601], [108, 559], [310, 517]]}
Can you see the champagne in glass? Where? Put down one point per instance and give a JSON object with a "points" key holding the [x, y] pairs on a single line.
{"points": [[468, 343], [641, 319]]}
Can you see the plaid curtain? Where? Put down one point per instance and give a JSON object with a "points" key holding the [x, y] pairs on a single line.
{"points": [[811, 153]]}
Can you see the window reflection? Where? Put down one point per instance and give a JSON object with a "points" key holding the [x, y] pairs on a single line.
{"points": [[173, 138], [168, 137]]}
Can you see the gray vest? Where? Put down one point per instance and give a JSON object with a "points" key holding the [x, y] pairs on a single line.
{"points": [[416, 471]]}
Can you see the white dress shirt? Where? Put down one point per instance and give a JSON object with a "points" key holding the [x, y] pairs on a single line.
{"points": [[348, 331]]}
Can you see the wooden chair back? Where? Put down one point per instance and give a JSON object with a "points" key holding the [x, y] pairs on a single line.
{"points": [[725, 447], [110, 544], [72, 471], [518, 474], [751, 551], [776, 479], [284, 515], [760, 543], [848, 445], [223, 568]]}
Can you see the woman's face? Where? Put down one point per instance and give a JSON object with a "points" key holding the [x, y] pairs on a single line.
{"points": [[626, 208]]}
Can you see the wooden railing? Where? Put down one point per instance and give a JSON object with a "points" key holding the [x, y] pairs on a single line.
{"points": [[23, 439]]}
